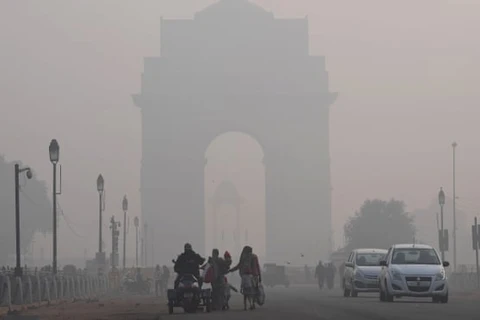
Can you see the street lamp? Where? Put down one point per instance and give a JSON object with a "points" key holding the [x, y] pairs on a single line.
{"points": [[125, 209], [28, 173], [135, 221], [54, 152], [100, 189], [441, 237], [454, 146]]}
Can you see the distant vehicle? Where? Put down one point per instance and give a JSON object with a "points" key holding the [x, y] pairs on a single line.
{"points": [[413, 270], [274, 275], [362, 270]]}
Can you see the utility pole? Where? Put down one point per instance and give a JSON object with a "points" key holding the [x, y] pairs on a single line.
{"points": [[153, 249], [475, 245], [454, 146], [135, 221], [145, 245], [125, 209], [142, 254]]}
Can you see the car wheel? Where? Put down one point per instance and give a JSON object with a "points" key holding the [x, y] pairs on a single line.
{"points": [[444, 299], [353, 292]]}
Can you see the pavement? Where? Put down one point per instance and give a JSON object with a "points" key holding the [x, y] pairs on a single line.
{"points": [[295, 303]]}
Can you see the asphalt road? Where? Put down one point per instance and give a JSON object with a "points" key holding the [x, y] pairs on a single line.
{"points": [[308, 303]]}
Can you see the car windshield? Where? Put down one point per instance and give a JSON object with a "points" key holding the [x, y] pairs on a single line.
{"points": [[369, 259], [415, 256]]}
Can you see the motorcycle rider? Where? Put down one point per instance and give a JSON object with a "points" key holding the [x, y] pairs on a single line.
{"points": [[188, 262]]}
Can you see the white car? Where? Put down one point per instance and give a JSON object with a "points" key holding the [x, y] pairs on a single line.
{"points": [[413, 270], [362, 270]]}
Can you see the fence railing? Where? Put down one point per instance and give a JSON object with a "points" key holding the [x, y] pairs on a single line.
{"points": [[463, 281], [42, 287]]}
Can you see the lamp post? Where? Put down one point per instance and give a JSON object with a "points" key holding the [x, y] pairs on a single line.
{"points": [[135, 221], [125, 209], [100, 255], [454, 146], [145, 263], [54, 151], [441, 237], [18, 267]]}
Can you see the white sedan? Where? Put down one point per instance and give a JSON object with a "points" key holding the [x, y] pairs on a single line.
{"points": [[413, 270], [361, 271]]}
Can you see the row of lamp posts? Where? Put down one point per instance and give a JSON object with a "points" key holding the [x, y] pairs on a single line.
{"points": [[54, 153], [100, 258]]}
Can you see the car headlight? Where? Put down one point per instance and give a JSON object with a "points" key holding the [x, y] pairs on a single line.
{"points": [[181, 285], [396, 275], [440, 276], [195, 285], [358, 274]]}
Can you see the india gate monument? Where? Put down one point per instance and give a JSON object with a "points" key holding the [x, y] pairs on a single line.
{"points": [[235, 67]]}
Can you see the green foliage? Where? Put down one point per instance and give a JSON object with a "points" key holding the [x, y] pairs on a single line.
{"points": [[379, 224], [35, 210]]}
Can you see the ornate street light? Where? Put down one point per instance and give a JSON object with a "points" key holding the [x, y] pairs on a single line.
{"points": [[54, 153], [100, 183], [441, 197], [100, 189]]}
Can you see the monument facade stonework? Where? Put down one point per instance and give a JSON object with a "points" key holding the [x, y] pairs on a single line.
{"points": [[235, 67]]}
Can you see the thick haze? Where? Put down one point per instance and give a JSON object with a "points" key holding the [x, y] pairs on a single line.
{"points": [[407, 73]]}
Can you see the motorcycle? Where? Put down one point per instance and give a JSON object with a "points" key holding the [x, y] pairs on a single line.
{"points": [[188, 295]]}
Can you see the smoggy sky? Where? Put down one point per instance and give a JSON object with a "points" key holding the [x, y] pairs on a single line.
{"points": [[407, 73]]}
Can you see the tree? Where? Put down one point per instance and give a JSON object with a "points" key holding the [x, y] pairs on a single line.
{"points": [[379, 224], [35, 211]]}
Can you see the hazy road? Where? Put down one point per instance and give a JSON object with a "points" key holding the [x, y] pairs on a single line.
{"points": [[308, 303]]}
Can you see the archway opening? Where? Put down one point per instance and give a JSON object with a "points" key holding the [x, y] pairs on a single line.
{"points": [[235, 194]]}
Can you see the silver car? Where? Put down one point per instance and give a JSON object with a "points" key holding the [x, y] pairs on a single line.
{"points": [[413, 270], [361, 271]]}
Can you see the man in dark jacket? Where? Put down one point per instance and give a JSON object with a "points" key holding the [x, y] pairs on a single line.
{"points": [[188, 262]]}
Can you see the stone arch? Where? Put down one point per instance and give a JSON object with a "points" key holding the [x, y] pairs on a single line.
{"points": [[263, 82]]}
